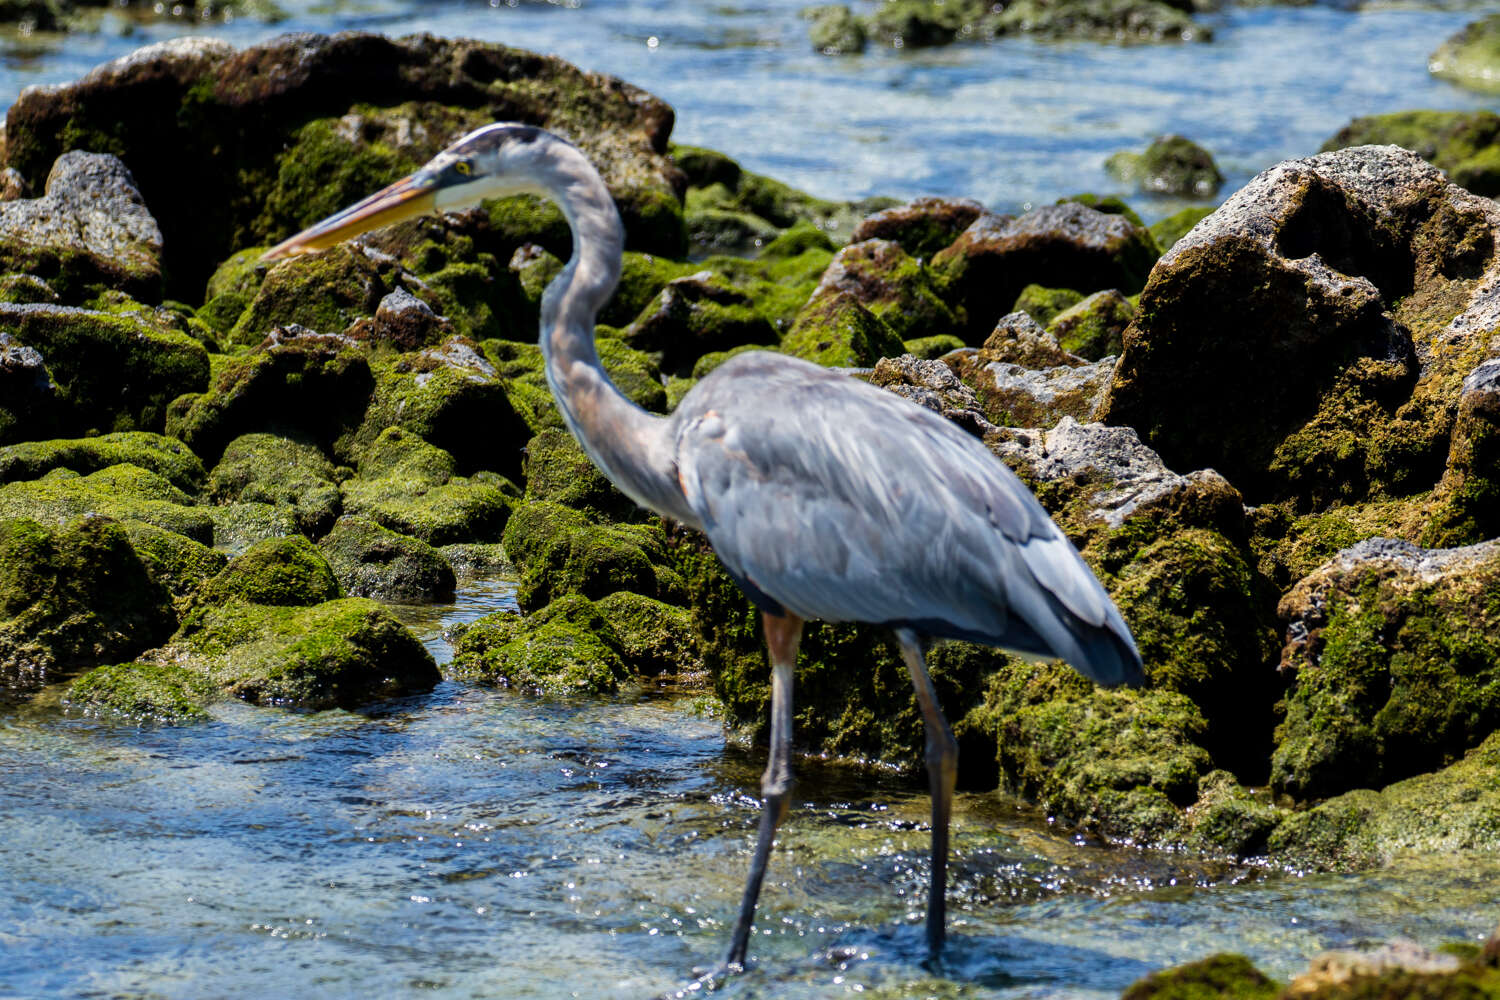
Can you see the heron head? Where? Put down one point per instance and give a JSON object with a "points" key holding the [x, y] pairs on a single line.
{"points": [[492, 162]]}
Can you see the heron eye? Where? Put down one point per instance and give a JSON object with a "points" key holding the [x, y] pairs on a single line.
{"points": [[462, 167]]}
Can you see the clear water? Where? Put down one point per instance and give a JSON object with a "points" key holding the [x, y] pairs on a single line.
{"points": [[475, 843]]}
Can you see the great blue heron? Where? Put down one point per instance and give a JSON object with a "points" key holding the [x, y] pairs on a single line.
{"points": [[824, 497]]}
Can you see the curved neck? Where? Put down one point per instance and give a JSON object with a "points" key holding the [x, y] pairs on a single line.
{"points": [[628, 444]]}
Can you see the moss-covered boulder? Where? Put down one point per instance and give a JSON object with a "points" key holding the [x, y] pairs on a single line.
{"points": [[987, 267], [1166, 232], [167, 457], [894, 286], [270, 469], [558, 471], [1350, 297], [278, 571], [1471, 57], [839, 332], [90, 231], [932, 383], [560, 551], [231, 289], [73, 596], [1041, 304], [566, 648], [184, 114], [342, 653], [1226, 977], [372, 561], [1099, 20], [1465, 145], [408, 485], [1023, 378], [162, 693], [111, 372], [1093, 328], [1171, 165], [520, 367], [694, 315], [1394, 650], [1450, 810], [176, 562], [834, 30], [324, 292], [654, 638], [452, 397], [297, 384], [124, 492], [1466, 503], [921, 227]]}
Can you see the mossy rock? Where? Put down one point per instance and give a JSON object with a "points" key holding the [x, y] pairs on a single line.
{"points": [[407, 485], [372, 561], [278, 571], [268, 468], [560, 551], [1174, 227], [921, 227], [122, 492], [1450, 810], [894, 286], [566, 648], [112, 372], [839, 332], [834, 30], [1094, 327], [1465, 145], [324, 292], [232, 288], [1217, 977], [73, 596], [164, 456], [931, 348], [654, 638], [1471, 57], [343, 653], [1394, 650], [161, 693], [175, 561], [1466, 502], [694, 315], [1171, 165], [558, 471], [1098, 20], [1041, 304]]}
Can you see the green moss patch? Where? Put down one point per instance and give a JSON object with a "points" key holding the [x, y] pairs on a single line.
{"points": [[164, 456]]}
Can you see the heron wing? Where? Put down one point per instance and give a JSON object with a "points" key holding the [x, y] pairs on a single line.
{"points": [[840, 501]]}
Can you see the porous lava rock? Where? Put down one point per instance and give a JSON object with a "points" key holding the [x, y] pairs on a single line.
{"points": [[1310, 338]]}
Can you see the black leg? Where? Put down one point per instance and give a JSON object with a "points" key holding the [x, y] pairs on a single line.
{"points": [[782, 638], [942, 772]]}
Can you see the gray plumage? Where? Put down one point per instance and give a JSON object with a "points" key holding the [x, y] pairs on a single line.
{"points": [[825, 497]]}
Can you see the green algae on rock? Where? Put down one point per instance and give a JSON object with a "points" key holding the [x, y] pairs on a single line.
{"points": [[268, 468], [837, 331], [1174, 227], [1041, 303], [407, 485], [1394, 652], [1224, 977], [693, 315], [1093, 327], [167, 457], [123, 492], [112, 372], [372, 561], [559, 550], [73, 596], [1171, 165], [163, 693], [324, 292], [287, 571], [1471, 57], [343, 653], [565, 648], [921, 227], [894, 286], [1465, 145], [654, 637]]}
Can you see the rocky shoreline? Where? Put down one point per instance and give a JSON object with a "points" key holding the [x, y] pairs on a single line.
{"points": [[1269, 429]]}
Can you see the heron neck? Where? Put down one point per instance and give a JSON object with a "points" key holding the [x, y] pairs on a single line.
{"points": [[627, 443]]}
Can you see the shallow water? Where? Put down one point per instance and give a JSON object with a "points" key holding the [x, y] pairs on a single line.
{"points": [[1012, 123], [476, 843]]}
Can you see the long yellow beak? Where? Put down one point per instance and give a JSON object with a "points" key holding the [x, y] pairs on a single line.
{"points": [[407, 198]]}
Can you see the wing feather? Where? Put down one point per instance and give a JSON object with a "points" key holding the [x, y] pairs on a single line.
{"points": [[843, 502]]}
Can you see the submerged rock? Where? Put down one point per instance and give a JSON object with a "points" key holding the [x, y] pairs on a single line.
{"points": [[89, 231], [834, 30], [1171, 165], [1471, 57]]}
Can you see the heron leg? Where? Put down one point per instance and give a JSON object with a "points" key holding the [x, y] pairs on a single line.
{"points": [[783, 634], [942, 772]]}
